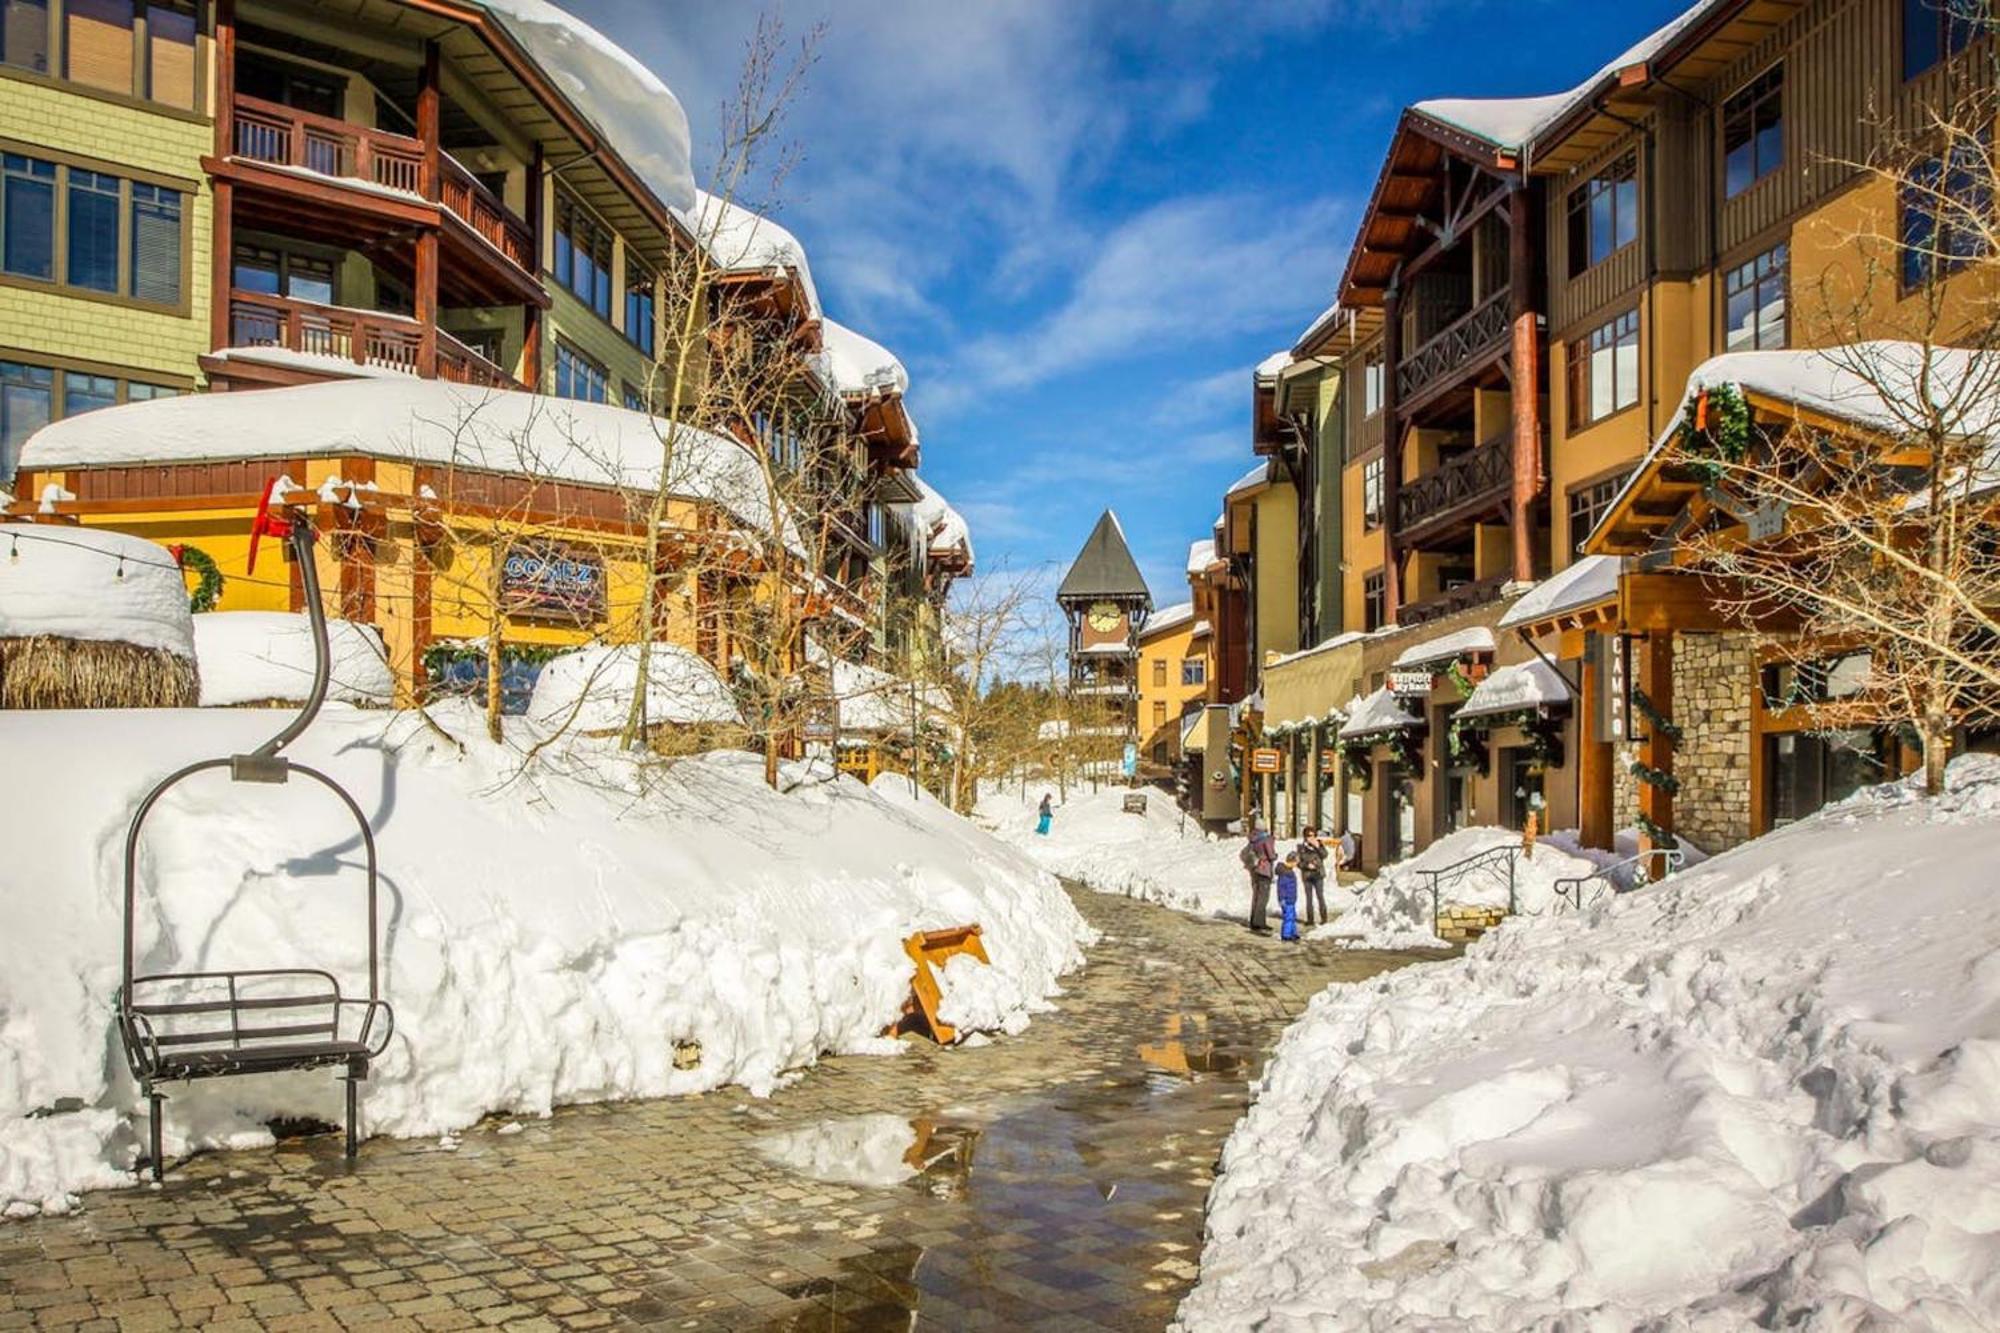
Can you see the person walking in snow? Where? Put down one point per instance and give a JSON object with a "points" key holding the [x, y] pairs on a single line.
{"points": [[1259, 857], [1288, 898], [1311, 854], [1048, 812]]}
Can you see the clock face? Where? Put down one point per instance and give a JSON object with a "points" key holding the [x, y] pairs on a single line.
{"points": [[1104, 617]]}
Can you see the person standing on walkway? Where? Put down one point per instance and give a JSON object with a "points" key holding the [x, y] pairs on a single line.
{"points": [[1259, 857], [1288, 898], [1311, 854], [1048, 812]]}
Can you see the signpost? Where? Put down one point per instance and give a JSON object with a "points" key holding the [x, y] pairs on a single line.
{"points": [[1266, 760], [1410, 684]]}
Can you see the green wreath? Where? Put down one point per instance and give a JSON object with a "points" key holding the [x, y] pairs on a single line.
{"points": [[208, 577], [1719, 438]]}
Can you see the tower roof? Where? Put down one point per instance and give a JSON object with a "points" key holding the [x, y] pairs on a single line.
{"points": [[1104, 569]]}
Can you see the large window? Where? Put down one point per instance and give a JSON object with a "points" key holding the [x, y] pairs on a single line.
{"points": [[85, 256], [135, 48], [583, 255], [1371, 494], [33, 395], [1944, 210], [1194, 671], [639, 307], [1804, 772], [1604, 214], [24, 34], [1604, 370], [269, 272], [1755, 303], [1753, 131], [1934, 29], [1371, 384], [1588, 504], [1374, 601], [577, 376]]}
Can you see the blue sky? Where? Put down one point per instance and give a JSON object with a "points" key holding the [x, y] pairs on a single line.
{"points": [[1081, 223]]}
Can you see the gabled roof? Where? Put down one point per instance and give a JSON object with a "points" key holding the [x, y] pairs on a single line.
{"points": [[1104, 568]]}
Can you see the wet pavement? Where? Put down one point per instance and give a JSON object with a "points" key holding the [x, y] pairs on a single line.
{"points": [[1051, 1180]]}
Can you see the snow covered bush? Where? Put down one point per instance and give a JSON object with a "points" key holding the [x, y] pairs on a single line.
{"points": [[1764, 1092], [551, 930]]}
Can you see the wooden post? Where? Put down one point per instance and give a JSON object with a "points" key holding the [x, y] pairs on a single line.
{"points": [[1657, 752], [429, 119], [1527, 379], [1593, 764], [222, 244], [1392, 452], [225, 77]]}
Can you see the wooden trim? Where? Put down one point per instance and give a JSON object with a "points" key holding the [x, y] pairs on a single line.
{"points": [[187, 184], [117, 370]]}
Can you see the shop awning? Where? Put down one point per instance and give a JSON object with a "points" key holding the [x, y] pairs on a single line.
{"points": [[1191, 737], [1309, 687], [1446, 647], [1379, 713], [1586, 586], [1515, 689]]}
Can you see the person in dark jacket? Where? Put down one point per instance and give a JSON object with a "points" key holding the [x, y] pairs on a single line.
{"points": [[1260, 858], [1311, 854], [1047, 813]]}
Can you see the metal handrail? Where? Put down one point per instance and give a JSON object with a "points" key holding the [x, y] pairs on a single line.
{"points": [[1490, 857], [1570, 888]]}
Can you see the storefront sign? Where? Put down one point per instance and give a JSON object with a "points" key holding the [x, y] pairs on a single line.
{"points": [[1611, 654], [1328, 761], [1265, 761], [1410, 684], [553, 582], [822, 720]]}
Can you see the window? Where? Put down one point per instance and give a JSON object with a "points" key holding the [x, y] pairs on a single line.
{"points": [[1371, 384], [1604, 214], [1792, 684], [1160, 674], [87, 393], [170, 68], [136, 392], [1755, 303], [93, 204], [1588, 504], [583, 255], [1943, 210], [1604, 370], [1194, 671], [27, 403], [577, 376], [28, 217], [1934, 29], [630, 395], [1374, 601], [1753, 132], [639, 311], [1803, 773], [24, 34], [1371, 494], [97, 43], [1159, 713], [283, 273]]}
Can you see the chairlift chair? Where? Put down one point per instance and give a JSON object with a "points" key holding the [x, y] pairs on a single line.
{"points": [[261, 1020]]}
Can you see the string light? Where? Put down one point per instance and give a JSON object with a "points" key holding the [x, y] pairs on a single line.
{"points": [[121, 569]]}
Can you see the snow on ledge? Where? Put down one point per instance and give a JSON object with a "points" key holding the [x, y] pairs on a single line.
{"points": [[1380, 711], [1510, 689], [1459, 643], [741, 241], [254, 656], [1585, 583], [93, 584]]}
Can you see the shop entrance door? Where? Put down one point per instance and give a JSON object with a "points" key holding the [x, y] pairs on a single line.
{"points": [[1399, 813], [1520, 790]]}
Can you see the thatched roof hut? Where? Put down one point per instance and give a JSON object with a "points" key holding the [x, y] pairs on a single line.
{"points": [[92, 619]]}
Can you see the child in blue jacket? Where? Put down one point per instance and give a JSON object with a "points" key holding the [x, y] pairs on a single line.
{"points": [[1288, 897]]}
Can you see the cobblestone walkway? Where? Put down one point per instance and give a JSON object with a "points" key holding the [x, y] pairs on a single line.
{"points": [[1056, 1180]]}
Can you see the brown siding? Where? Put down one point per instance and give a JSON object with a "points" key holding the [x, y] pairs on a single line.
{"points": [[1363, 432], [1601, 284], [173, 481], [1681, 162]]}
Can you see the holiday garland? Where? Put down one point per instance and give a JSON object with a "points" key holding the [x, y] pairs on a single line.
{"points": [[1466, 743], [1670, 732], [1460, 681], [208, 577], [1714, 431]]}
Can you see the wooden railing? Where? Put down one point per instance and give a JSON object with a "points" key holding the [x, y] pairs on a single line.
{"points": [[1477, 473], [485, 214], [1478, 330], [363, 337], [286, 136], [462, 365], [1462, 598]]}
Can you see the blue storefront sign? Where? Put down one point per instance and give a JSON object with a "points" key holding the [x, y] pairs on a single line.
{"points": [[553, 582]]}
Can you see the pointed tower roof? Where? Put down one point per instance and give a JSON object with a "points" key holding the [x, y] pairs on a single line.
{"points": [[1104, 569]]}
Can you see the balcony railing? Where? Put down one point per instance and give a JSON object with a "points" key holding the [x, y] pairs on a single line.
{"points": [[1472, 334], [1462, 598], [286, 136], [1474, 475], [485, 214], [363, 337]]}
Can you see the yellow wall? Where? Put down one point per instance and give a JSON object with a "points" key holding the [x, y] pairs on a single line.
{"points": [[1845, 280], [1165, 649], [1361, 552], [59, 325], [1276, 570]]}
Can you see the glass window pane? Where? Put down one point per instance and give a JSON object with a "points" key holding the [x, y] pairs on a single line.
{"points": [[97, 42], [1627, 210], [1601, 229], [93, 230], [26, 398], [1740, 317], [24, 34], [136, 392], [1601, 402], [1921, 31], [1737, 173], [170, 52], [256, 271], [87, 393], [28, 218], [156, 243]]}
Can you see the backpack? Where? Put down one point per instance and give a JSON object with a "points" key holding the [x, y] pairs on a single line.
{"points": [[1248, 856]]}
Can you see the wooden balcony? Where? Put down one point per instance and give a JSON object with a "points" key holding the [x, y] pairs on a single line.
{"points": [[367, 339], [1466, 485], [1451, 601], [477, 207], [1467, 342], [284, 136]]}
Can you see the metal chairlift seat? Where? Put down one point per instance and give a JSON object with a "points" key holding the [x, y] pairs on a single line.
{"points": [[179, 1026]]}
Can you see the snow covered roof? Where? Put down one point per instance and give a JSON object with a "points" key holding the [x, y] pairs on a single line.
{"points": [[591, 689], [1168, 618], [1585, 583], [935, 523], [1510, 689], [857, 366], [1201, 555], [413, 420], [92, 583], [870, 699], [740, 241], [252, 656], [1380, 711], [1458, 643], [1337, 641], [1268, 368], [621, 98], [1201, 627], [1249, 481]]}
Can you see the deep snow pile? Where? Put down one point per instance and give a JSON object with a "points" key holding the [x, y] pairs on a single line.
{"points": [[549, 935], [1393, 910], [253, 656], [590, 690], [92, 583], [1150, 856], [1764, 1091]]}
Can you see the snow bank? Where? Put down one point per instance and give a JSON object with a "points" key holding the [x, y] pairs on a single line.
{"points": [[549, 935], [1149, 857], [91, 583], [1765, 1092], [1393, 910], [590, 690], [253, 656]]}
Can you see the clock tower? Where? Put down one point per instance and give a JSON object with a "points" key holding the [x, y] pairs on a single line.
{"points": [[1106, 603]]}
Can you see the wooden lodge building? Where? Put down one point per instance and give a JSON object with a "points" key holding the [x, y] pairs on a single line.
{"points": [[401, 215], [1477, 569]]}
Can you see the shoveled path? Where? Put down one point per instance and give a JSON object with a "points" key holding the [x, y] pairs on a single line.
{"points": [[1057, 1181]]}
